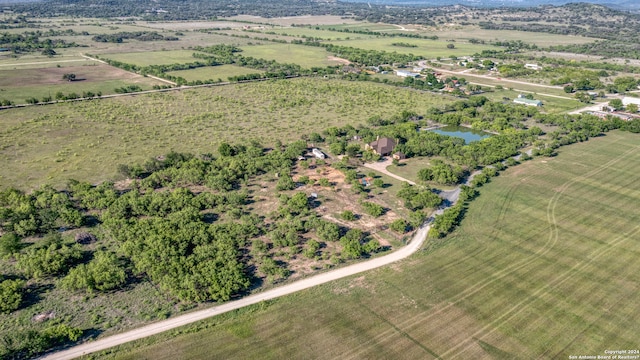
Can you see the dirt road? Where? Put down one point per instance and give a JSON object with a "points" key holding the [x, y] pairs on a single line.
{"points": [[156, 328], [381, 166]]}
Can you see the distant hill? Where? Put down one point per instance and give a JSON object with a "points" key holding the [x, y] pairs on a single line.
{"points": [[616, 4]]}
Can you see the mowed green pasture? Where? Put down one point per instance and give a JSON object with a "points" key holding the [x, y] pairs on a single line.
{"points": [[305, 56], [543, 266], [427, 48], [17, 86], [214, 72], [153, 57], [87, 140]]}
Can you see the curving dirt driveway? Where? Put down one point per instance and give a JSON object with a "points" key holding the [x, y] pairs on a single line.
{"points": [[381, 166], [161, 326]]}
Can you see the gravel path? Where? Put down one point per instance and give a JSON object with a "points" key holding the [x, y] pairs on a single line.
{"points": [[381, 166]]}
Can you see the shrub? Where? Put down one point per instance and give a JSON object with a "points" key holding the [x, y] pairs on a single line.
{"points": [[372, 209], [348, 215]]}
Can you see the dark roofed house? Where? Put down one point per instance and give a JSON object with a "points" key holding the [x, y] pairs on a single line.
{"points": [[383, 146]]}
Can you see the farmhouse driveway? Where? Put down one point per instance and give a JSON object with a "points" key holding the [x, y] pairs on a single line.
{"points": [[381, 166]]}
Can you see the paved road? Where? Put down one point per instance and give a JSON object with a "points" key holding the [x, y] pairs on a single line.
{"points": [[162, 326]]}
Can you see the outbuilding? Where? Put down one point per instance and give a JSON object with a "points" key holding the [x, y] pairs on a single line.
{"points": [[317, 153], [528, 102], [404, 73]]}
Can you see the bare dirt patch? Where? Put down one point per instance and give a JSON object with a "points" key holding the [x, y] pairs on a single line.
{"points": [[53, 75], [338, 60]]}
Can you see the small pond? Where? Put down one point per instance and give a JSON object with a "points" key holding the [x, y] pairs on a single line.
{"points": [[469, 135]]}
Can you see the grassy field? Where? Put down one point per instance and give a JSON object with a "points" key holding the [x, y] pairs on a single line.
{"points": [[213, 72], [428, 48], [191, 25], [154, 57], [17, 86], [550, 104], [362, 27], [323, 34], [65, 57], [305, 56], [475, 32], [544, 266], [290, 20], [409, 169], [87, 140]]}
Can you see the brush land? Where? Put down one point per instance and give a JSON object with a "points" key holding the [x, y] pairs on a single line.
{"points": [[529, 274]]}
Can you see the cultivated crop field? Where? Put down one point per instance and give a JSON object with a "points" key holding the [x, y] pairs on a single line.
{"points": [[87, 140], [543, 266]]}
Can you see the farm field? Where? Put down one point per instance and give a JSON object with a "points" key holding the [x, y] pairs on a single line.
{"points": [[430, 49], [213, 72], [543, 266], [19, 86], [305, 56], [289, 20], [153, 57], [66, 57], [363, 27], [191, 25], [323, 34], [87, 140]]}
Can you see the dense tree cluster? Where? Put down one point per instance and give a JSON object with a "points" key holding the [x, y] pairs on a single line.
{"points": [[441, 173], [40, 212], [26, 344], [418, 198], [30, 41], [138, 35], [368, 57]]}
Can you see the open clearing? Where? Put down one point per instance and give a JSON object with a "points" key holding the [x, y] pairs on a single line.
{"points": [[467, 33], [428, 48], [214, 72], [87, 140], [544, 266], [192, 25], [322, 34], [154, 57], [290, 20], [18, 86]]}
